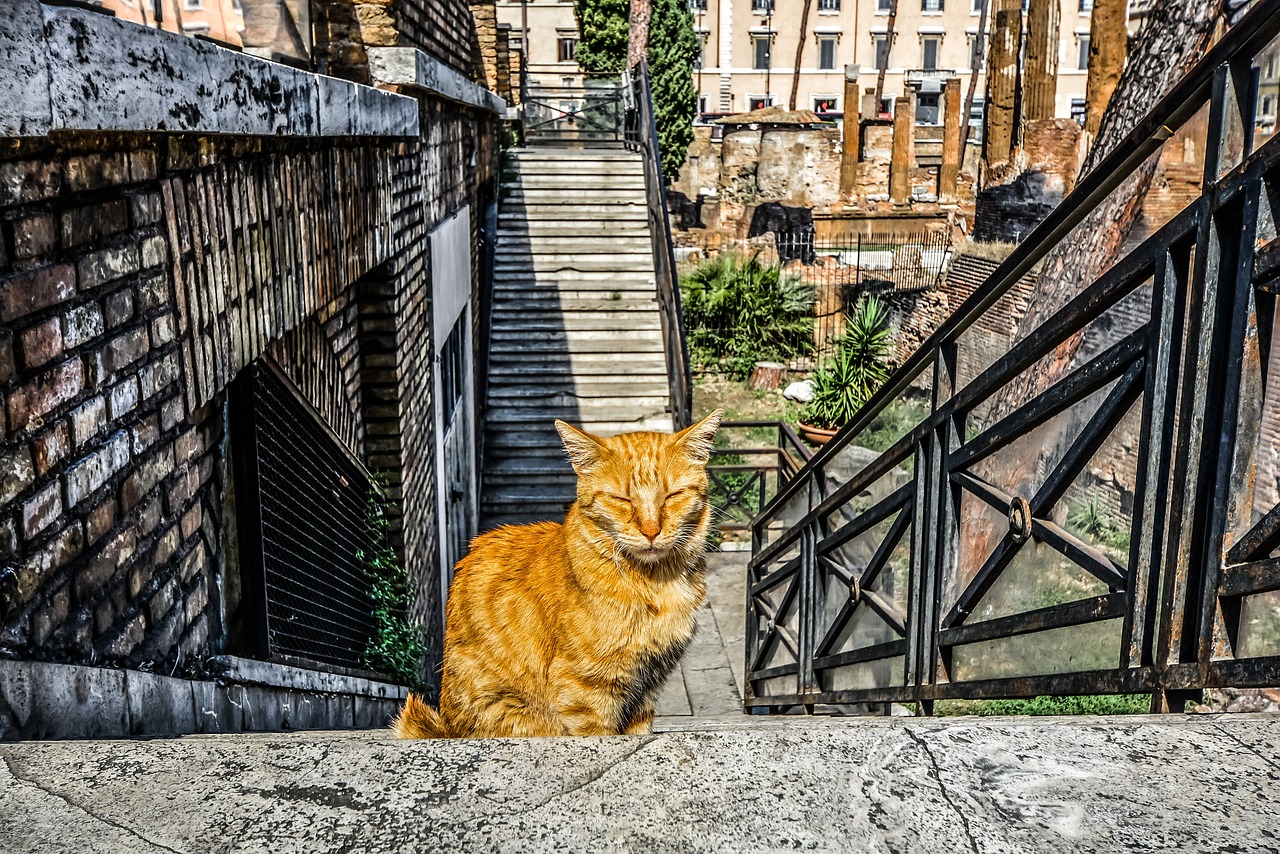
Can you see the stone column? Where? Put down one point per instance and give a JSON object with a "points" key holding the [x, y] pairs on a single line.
{"points": [[949, 171], [904, 149], [1002, 81], [849, 140], [1040, 86]]}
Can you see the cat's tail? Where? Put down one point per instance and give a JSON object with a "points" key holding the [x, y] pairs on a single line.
{"points": [[419, 720]]}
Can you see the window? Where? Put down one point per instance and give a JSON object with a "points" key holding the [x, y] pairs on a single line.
{"points": [[759, 102], [192, 5], [1268, 106], [927, 109], [824, 103], [764, 7], [882, 51], [1086, 6], [1083, 63], [929, 53], [565, 45], [882, 6], [760, 47], [982, 54], [931, 5], [1270, 65], [975, 7], [828, 5], [697, 58], [827, 52], [698, 5], [702, 103], [976, 111], [1078, 110]]}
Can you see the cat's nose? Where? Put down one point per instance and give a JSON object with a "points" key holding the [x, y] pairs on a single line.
{"points": [[650, 530]]}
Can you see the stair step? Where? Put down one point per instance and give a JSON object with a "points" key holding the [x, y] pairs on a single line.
{"points": [[631, 213], [517, 226], [520, 305], [555, 334], [577, 155], [604, 363], [621, 258], [570, 320], [513, 242]]}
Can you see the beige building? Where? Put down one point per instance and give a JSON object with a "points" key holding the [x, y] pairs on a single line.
{"points": [[553, 35], [749, 52], [220, 20]]}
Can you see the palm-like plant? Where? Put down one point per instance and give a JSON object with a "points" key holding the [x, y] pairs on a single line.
{"points": [[860, 367], [739, 311]]}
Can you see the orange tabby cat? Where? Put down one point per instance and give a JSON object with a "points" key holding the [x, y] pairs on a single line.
{"points": [[571, 629]]}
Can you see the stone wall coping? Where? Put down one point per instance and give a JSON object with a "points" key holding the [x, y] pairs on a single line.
{"points": [[250, 671], [410, 67], [79, 70]]}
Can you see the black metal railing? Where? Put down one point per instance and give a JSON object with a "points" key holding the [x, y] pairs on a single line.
{"points": [[589, 114], [302, 526], [1096, 509], [642, 136], [751, 462]]}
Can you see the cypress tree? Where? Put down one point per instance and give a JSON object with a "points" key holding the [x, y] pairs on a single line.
{"points": [[673, 47]]}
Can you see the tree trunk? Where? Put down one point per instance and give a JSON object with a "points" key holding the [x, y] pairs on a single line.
{"points": [[882, 62], [638, 32], [767, 376], [1175, 36], [975, 64], [1108, 44], [795, 78]]}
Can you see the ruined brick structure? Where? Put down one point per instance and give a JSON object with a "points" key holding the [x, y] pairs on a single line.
{"points": [[141, 272]]}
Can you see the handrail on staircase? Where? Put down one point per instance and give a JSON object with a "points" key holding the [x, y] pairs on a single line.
{"points": [[878, 572], [642, 136]]}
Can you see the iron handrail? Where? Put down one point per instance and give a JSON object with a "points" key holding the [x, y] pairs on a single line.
{"points": [[1186, 369], [642, 136]]}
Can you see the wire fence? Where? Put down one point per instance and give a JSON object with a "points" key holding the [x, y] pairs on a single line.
{"points": [[785, 296]]}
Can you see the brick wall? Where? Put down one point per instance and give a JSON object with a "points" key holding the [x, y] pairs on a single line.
{"points": [[138, 276]]}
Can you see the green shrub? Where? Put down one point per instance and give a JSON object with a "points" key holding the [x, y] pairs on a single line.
{"points": [[860, 367], [397, 646], [739, 311], [1102, 704]]}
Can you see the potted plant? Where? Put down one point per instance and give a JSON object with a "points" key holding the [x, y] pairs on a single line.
{"points": [[842, 387]]}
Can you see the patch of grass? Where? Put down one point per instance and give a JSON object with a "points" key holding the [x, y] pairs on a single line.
{"points": [[398, 645], [1097, 704]]}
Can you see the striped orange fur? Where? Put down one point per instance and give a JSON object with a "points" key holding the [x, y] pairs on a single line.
{"points": [[571, 629]]}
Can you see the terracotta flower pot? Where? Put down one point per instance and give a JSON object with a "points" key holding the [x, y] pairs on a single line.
{"points": [[817, 435]]}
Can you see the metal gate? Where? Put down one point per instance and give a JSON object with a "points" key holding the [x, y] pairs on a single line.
{"points": [[301, 511], [591, 114]]}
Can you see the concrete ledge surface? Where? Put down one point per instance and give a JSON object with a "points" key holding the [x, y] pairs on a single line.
{"points": [[1202, 784]]}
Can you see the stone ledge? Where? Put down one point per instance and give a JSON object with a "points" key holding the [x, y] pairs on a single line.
{"points": [[410, 67], [252, 672], [85, 71], [43, 700]]}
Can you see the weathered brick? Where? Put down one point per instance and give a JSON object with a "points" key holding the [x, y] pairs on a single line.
{"points": [[16, 474], [87, 421], [50, 447], [193, 563], [145, 433], [118, 308], [145, 476], [171, 412], [107, 265], [49, 558], [88, 475], [103, 566], [197, 600], [186, 446], [162, 600], [33, 236], [166, 545], [157, 376], [41, 510], [152, 292], [94, 222], [82, 324], [7, 364], [91, 171], [124, 398], [8, 547], [192, 520], [100, 519], [150, 516], [41, 343], [128, 639], [125, 349], [146, 208], [154, 251], [51, 617], [142, 165], [184, 485], [23, 293], [29, 181], [46, 393], [162, 331]]}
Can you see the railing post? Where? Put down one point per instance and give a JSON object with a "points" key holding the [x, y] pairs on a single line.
{"points": [[808, 608]]}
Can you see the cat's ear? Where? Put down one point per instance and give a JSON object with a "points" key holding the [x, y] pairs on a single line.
{"points": [[699, 439], [585, 450]]}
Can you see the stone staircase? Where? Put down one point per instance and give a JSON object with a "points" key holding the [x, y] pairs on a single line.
{"points": [[576, 332]]}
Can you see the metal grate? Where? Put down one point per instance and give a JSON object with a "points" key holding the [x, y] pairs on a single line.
{"points": [[301, 508]]}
